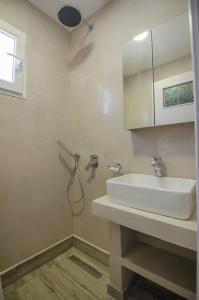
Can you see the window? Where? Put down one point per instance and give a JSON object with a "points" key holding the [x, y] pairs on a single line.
{"points": [[12, 60]]}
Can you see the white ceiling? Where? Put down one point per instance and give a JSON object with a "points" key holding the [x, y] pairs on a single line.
{"points": [[51, 7]]}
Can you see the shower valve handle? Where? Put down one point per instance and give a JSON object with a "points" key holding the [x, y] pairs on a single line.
{"points": [[93, 162]]}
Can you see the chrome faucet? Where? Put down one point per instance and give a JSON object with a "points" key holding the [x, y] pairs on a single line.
{"points": [[93, 162], [159, 167]]}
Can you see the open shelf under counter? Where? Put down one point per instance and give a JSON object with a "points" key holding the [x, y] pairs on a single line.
{"points": [[172, 272], [179, 232]]}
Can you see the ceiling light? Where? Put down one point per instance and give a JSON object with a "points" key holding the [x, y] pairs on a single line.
{"points": [[141, 36]]}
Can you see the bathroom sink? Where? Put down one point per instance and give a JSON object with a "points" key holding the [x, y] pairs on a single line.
{"points": [[173, 197]]}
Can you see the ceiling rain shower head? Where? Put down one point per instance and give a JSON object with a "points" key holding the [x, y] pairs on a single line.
{"points": [[71, 17]]}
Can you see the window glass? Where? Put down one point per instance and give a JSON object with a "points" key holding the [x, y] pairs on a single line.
{"points": [[7, 46]]}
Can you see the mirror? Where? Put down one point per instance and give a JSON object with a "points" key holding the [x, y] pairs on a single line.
{"points": [[173, 81], [157, 76], [137, 83]]}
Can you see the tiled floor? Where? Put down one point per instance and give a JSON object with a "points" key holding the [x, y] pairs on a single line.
{"points": [[71, 276]]}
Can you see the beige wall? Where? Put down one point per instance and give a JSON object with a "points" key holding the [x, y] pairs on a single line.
{"points": [[33, 210], [97, 100]]}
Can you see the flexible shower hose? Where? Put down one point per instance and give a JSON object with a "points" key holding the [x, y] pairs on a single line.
{"points": [[70, 186]]}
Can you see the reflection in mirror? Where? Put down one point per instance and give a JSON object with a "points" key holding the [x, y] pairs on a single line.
{"points": [[137, 82], [173, 82]]}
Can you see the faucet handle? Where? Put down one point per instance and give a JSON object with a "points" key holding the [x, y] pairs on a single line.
{"points": [[93, 162], [156, 159], [115, 168]]}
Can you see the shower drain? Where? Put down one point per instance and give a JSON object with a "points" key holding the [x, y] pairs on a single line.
{"points": [[91, 270]]}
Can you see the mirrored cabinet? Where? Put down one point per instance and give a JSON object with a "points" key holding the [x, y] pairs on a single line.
{"points": [[157, 76]]}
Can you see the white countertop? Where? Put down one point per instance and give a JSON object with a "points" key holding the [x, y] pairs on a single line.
{"points": [[179, 232]]}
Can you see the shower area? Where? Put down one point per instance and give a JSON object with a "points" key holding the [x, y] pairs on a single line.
{"points": [[43, 170]]}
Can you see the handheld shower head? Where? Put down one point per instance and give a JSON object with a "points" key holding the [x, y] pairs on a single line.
{"points": [[71, 17]]}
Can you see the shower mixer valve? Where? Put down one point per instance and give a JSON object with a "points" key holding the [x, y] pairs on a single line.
{"points": [[93, 162]]}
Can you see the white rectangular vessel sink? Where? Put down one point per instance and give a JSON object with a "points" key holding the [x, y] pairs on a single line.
{"points": [[172, 197]]}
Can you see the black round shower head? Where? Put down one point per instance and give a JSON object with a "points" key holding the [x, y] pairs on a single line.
{"points": [[69, 16]]}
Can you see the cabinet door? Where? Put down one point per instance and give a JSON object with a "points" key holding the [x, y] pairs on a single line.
{"points": [[172, 63], [138, 82]]}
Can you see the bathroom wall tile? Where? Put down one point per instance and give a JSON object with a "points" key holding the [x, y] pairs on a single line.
{"points": [[97, 104], [35, 262], [34, 211], [44, 257], [9, 277], [90, 250]]}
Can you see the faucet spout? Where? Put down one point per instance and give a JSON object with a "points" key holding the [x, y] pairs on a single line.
{"points": [[159, 167]]}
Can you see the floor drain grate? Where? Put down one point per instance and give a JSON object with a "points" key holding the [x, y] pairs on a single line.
{"points": [[85, 266]]}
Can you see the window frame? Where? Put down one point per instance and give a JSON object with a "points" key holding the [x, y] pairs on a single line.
{"points": [[16, 88]]}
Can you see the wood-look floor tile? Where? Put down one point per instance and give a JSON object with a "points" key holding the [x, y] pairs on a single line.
{"points": [[33, 290], [64, 286], [84, 279], [62, 279], [9, 289], [11, 296]]}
